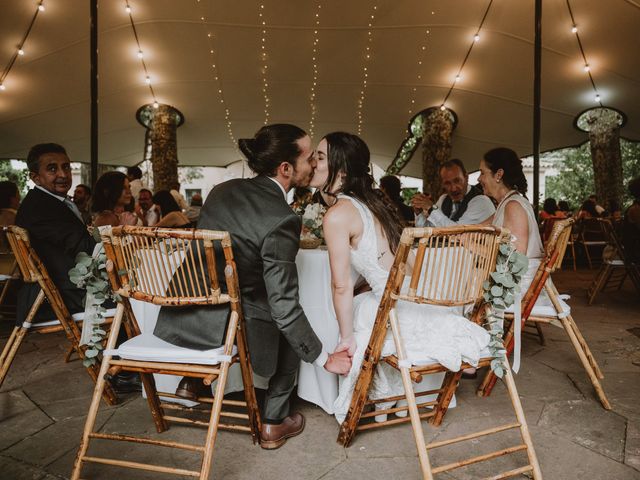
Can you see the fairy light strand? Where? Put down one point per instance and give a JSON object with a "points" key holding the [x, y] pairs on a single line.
{"points": [[20, 48], [140, 54], [587, 66], [264, 56], [314, 58], [211, 48], [458, 76], [421, 55], [365, 71]]}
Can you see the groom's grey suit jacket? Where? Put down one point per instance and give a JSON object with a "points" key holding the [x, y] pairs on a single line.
{"points": [[265, 235]]}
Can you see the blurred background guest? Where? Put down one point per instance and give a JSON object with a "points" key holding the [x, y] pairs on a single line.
{"points": [[391, 186], [146, 210], [111, 194], [193, 212], [178, 197], [9, 203], [134, 174], [81, 197], [550, 209], [588, 210], [170, 211], [127, 214], [631, 224], [564, 207], [599, 208]]}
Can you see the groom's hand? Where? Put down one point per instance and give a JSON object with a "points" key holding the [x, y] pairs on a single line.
{"points": [[338, 362]]}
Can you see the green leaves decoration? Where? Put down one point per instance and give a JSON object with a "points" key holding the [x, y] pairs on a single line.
{"points": [[500, 291], [90, 273]]}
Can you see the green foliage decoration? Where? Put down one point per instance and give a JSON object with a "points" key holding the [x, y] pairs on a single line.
{"points": [[500, 292]]}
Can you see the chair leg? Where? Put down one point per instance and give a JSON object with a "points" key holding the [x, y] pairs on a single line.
{"points": [[598, 283], [524, 428], [67, 356], [416, 423], [543, 342], [449, 387], [97, 394], [149, 384], [586, 251], [573, 255], [10, 349]]}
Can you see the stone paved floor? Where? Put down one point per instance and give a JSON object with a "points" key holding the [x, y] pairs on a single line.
{"points": [[43, 403]]}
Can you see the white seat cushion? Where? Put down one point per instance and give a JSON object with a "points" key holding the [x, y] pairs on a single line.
{"points": [[77, 317], [148, 347], [615, 262], [544, 307], [414, 361]]}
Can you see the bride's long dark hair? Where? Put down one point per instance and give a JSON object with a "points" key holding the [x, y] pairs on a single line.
{"points": [[349, 154]]}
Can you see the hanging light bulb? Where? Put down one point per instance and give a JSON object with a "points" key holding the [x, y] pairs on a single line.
{"points": [[156, 104], [458, 78], [20, 51], [476, 38], [574, 29], [597, 97], [587, 68], [140, 54], [442, 107], [41, 7], [2, 87], [148, 80], [128, 9]]}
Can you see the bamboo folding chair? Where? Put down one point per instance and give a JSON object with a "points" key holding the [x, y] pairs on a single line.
{"points": [[450, 267], [8, 274], [613, 271], [590, 234], [554, 310], [172, 268], [34, 271]]}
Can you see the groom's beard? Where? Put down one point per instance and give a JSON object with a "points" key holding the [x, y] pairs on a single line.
{"points": [[301, 181]]}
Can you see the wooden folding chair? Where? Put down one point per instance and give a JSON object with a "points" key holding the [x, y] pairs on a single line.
{"points": [[450, 267], [34, 271], [172, 268], [590, 234], [9, 273], [613, 271], [554, 310]]}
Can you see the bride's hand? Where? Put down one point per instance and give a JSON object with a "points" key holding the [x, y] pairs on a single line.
{"points": [[347, 344]]}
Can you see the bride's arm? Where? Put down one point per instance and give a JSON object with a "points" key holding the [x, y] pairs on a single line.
{"points": [[337, 226], [515, 219]]}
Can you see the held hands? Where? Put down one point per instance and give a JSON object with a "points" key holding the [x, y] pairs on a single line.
{"points": [[339, 362], [347, 344]]}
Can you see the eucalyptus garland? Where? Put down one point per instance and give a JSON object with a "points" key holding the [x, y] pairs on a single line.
{"points": [[90, 273], [500, 291]]}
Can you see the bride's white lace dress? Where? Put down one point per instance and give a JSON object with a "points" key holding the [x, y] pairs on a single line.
{"points": [[442, 334]]}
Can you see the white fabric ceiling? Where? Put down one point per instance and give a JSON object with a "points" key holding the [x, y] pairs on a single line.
{"points": [[47, 92]]}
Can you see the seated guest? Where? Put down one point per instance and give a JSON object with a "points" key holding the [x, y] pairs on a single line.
{"points": [[502, 179], [587, 210], [81, 196], [134, 174], [146, 210], [56, 229], [171, 213], [391, 186], [193, 212], [461, 204], [599, 208], [563, 206], [9, 203], [178, 197], [550, 209], [111, 195], [614, 211], [631, 224]]}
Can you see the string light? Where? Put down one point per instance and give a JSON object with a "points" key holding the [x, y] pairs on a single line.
{"points": [[365, 72], [20, 50], [587, 65], [421, 53], [458, 75], [314, 60], [264, 56], [214, 70], [140, 55]]}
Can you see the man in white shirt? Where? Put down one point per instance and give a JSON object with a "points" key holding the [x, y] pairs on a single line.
{"points": [[461, 204], [134, 174], [147, 211]]}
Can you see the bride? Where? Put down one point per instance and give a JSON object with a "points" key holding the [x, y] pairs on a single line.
{"points": [[363, 233]]}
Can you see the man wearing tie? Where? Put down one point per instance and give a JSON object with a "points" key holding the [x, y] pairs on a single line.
{"points": [[56, 229], [461, 204]]}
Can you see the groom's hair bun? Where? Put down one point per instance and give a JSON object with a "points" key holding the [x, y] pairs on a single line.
{"points": [[270, 146]]}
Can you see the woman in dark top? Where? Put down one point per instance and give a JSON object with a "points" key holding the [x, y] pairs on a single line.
{"points": [[172, 216]]}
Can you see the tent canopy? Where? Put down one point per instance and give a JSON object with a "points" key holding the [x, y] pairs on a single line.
{"points": [[415, 50]]}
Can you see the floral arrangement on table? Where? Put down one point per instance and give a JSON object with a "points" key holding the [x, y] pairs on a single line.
{"points": [[90, 273], [312, 215], [500, 292]]}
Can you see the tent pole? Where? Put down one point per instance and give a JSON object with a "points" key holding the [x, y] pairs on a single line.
{"points": [[94, 89], [537, 80]]}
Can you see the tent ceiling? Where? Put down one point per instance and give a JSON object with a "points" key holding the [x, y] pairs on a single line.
{"points": [[47, 92]]}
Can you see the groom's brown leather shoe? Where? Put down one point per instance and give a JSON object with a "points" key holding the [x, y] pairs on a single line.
{"points": [[275, 435]]}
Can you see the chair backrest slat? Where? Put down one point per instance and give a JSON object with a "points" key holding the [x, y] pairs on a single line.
{"points": [[450, 263], [168, 267]]}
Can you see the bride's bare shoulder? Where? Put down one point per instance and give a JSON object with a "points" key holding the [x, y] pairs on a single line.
{"points": [[343, 212]]}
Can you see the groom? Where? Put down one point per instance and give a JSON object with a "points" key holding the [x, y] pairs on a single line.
{"points": [[265, 234]]}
